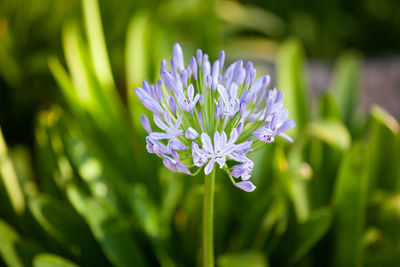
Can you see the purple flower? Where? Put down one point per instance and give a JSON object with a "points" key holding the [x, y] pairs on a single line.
{"points": [[243, 170], [205, 101], [246, 186], [276, 124], [217, 153], [187, 103], [169, 81], [193, 67], [221, 59], [172, 105], [182, 168], [199, 55], [171, 129], [169, 163], [146, 123], [175, 144], [149, 102], [229, 99], [163, 66], [215, 74], [156, 147], [219, 110], [178, 57], [191, 133], [237, 72]]}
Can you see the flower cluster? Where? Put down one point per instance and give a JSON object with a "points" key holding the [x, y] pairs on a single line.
{"points": [[195, 108]]}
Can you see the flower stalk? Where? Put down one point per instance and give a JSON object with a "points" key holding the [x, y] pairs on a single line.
{"points": [[208, 219]]}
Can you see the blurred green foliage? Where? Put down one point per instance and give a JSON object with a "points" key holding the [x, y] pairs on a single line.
{"points": [[327, 27], [29, 34], [95, 197]]}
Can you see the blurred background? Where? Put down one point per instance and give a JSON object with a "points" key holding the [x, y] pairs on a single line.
{"points": [[78, 187]]}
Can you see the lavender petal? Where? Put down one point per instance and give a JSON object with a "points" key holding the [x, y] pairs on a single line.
{"points": [[146, 123], [246, 186]]}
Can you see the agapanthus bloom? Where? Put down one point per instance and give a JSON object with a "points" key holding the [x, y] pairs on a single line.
{"points": [[209, 118]]}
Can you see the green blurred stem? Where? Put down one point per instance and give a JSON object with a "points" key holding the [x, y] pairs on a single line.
{"points": [[208, 220]]}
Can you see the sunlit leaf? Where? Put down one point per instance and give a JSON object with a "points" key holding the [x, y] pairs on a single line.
{"points": [[10, 179], [15, 250], [248, 258], [51, 260], [331, 132], [290, 79], [383, 152], [98, 49]]}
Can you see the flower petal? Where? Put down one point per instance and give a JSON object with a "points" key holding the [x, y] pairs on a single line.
{"points": [[146, 123], [246, 186], [209, 167], [206, 142]]}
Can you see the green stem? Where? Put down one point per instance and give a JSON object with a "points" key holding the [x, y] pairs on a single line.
{"points": [[208, 220]]}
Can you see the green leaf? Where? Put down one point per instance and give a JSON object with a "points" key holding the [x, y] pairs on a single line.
{"points": [[172, 191], [76, 58], [388, 256], [349, 202], [92, 170], [328, 107], [330, 132], [148, 214], [275, 212], [326, 151], [383, 153], [14, 250], [291, 81], [65, 84], [345, 84], [383, 238], [66, 226], [137, 61], [47, 160], [98, 49], [10, 179], [301, 238], [109, 229], [51, 260], [248, 259], [296, 174]]}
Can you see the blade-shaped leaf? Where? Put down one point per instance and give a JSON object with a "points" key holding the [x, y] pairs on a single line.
{"points": [[98, 49], [10, 179], [349, 201], [66, 226], [302, 237], [383, 153], [291, 81], [137, 61], [51, 260], [328, 107], [116, 239], [331, 132], [14, 250], [345, 84]]}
